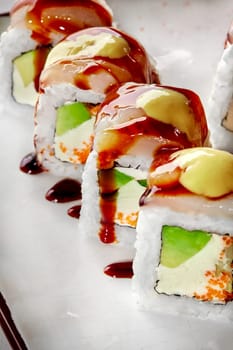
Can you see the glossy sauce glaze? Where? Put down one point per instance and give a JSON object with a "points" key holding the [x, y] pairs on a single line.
{"points": [[39, 62], [126, 96], [30, 165], [74, 211], [78, 71], [66, 190], [107, 203], [62, 17], [123, 269], [169, 137]]}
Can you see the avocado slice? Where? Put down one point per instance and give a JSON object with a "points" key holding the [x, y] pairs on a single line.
{"points": [[179, 244], [30, 64], [69, 116], [143, 182], [25, 65], [121, 179]]}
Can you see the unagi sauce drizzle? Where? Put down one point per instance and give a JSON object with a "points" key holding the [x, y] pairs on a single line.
{"points": [[65, 17], [66, 190], [39, 62], [74, 211], [123, 269], [107, 205], [30, 165]]}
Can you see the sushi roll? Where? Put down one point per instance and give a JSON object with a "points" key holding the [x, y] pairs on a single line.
{"points": [[184, 246], [135, 123], [220, 105], [35, 27], [78, 74]]}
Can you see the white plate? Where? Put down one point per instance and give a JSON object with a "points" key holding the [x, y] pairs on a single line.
{"points": [[54, 283], [6, 5]]}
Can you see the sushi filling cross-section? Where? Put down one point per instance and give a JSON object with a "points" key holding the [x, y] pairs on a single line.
{"points": [[120, 188], [26, 73], [74, 132], [184, 246], [195, 264]]}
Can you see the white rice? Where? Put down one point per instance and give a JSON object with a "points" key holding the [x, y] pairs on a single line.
{"points": [[148, 246], [219, 101]]}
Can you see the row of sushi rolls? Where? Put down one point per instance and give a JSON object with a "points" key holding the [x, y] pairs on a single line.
{"points": [[155, 168]]}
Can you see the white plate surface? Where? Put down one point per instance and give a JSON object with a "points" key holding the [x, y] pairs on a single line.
{"points": [[54, 282]]}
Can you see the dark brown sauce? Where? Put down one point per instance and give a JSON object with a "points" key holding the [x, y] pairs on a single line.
{"points": [[123, 269], [107, 206], [9, 328], [30, 165], [74, 211], [39, 62], [64, 191], [63, 17]]}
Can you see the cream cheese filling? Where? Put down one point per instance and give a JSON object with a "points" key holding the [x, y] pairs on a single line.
{"points": [[74, 145], [21, 93]]}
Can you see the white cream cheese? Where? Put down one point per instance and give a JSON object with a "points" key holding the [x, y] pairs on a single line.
{"points": [[69, 145], [21, 93]]}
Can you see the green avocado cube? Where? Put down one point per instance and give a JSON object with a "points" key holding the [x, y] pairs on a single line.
{"points": [[142, 182], [71, 115], [25, 66], [179, 244], [121, 179], [30, 64]]}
